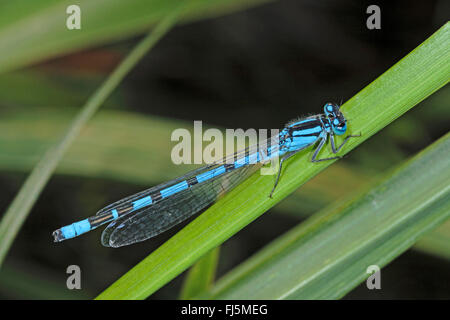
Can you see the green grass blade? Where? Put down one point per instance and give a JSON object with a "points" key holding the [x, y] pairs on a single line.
{"points": [[415, 77], [28, 194], [328, 255], [201, 276], [42, 90], [31, 31]]}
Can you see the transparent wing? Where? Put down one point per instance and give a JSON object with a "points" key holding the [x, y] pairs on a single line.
{"points": [[161, 216], [126, 203]]}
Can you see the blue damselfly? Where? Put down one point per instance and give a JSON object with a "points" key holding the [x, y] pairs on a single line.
{"points": [[155, 210]]}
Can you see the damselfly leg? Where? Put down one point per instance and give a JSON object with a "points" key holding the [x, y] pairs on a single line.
{"points": [[314, 156]]}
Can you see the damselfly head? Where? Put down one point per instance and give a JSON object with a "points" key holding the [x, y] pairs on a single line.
{"points": [[336, 118]]}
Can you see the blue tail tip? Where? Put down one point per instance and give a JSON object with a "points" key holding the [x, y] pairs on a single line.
{"points": [[58, 236], [72, 230]]}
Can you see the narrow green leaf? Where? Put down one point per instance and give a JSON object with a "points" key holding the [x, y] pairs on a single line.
{"points": [[31, 31], [328, 255], [31, 189], [201, 276], [411, 80]]}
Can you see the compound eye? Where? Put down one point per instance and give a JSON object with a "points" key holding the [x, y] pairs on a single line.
{"points": [[337, 123], [329, 109]]}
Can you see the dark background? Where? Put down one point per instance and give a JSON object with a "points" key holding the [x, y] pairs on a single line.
{"points": [[257, 68]]}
